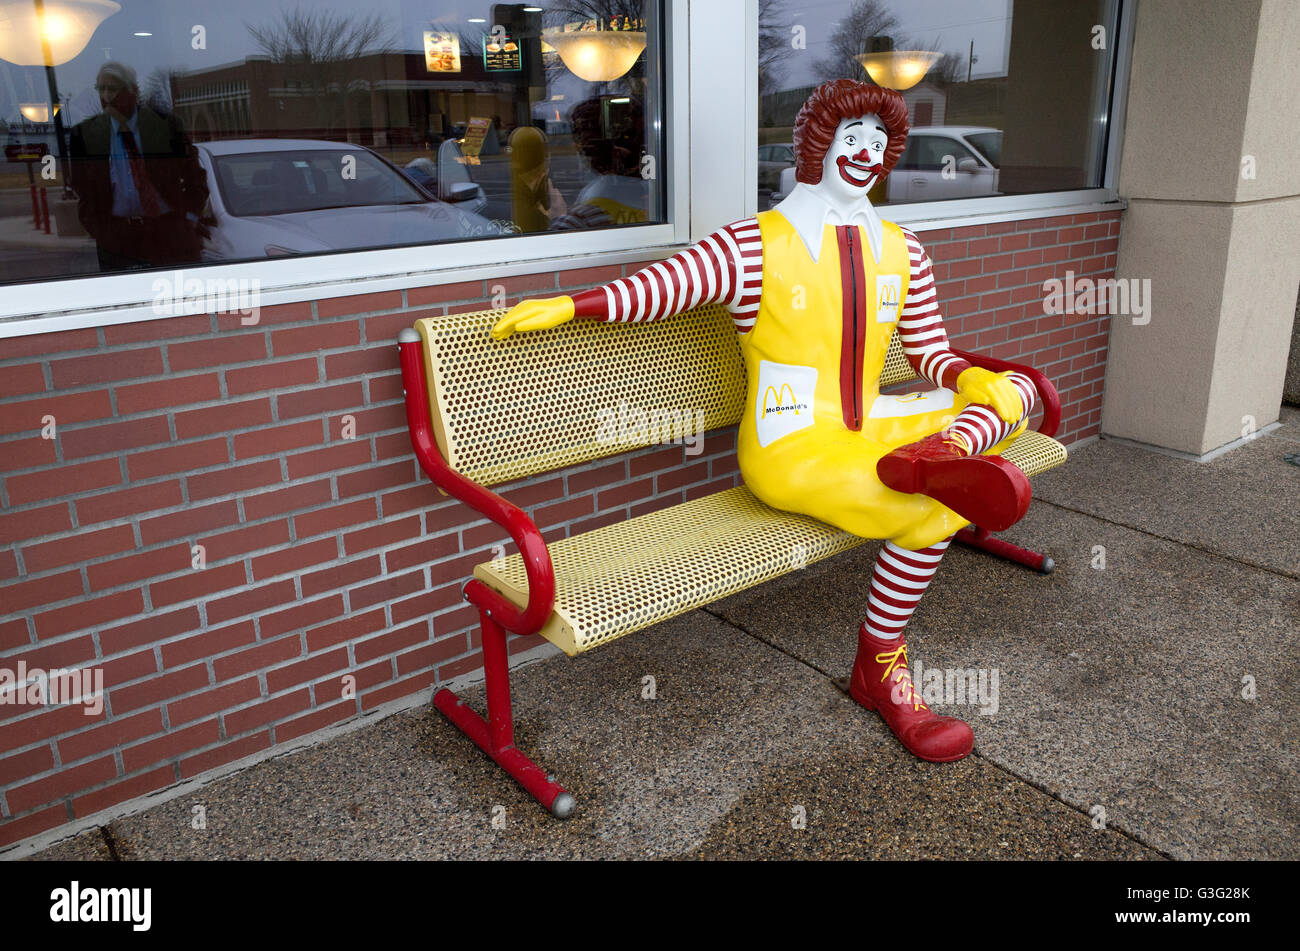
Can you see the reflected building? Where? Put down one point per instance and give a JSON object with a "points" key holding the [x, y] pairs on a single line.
{"points": [[380, 100]]}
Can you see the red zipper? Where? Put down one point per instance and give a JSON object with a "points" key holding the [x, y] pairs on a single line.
{"points": [[852, 345]]}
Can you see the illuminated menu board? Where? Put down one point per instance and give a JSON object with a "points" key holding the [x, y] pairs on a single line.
{"points": [[441, 52], [501, 54]]}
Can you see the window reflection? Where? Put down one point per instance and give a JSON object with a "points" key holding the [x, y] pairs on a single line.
{"points": [[609, 137], [1003, 98], [184, 132], [139, 185]]}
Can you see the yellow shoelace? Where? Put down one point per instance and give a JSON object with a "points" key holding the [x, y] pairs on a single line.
{"points": [[896, 661]]}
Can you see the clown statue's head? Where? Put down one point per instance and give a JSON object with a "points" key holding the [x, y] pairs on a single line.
{"points": [[847, 137]]}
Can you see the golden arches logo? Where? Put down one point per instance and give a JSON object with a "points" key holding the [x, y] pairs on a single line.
{"points": [[888, 296], [779, 395]]}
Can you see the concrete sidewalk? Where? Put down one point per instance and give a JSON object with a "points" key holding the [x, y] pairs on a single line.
{"points": [[19, 232], [1121, 729]]}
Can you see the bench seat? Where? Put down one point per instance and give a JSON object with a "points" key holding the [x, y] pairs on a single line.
{"points": [[624, 577]]}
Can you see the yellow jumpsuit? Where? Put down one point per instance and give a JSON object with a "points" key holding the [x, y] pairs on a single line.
{"points": [[814, 359], [624, 199]]}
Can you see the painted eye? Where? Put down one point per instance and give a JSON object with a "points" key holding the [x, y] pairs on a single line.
{"points": [[850, 141]]}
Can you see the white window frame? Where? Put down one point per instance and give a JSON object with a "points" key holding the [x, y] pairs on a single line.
{"points": [[708, 186], [125, 298]]}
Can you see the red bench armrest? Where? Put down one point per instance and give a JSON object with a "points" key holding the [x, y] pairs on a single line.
{"points": [[1046, 392], [537, 559]]}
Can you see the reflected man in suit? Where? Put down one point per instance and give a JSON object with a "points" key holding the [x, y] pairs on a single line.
{"points": [[140, 188]]}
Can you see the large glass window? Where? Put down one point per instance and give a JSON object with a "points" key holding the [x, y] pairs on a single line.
{"points": [[1004, 98], [159, 133]]}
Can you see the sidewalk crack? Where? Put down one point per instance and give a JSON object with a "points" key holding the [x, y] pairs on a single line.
{"points": [[1118, 830], [110, 843], [1270, 569]]}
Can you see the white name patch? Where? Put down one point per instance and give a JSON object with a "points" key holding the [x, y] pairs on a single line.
{"points": [[784, 403], [889, 287]]}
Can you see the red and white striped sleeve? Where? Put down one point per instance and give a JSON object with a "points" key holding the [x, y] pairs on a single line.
{"points": [[920, 327], [726, 267]]}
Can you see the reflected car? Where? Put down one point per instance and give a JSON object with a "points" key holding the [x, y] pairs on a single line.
{"points": [[274, 197], [951, 161], [772, 160], [467, 195]]}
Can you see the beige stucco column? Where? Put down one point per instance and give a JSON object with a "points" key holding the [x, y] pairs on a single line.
{"points": [[1212, 175]]}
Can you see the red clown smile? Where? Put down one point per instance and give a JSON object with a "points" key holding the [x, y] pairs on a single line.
{"points": [[861, 175]]}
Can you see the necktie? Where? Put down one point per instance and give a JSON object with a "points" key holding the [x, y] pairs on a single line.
{"points": [[144, 188]]}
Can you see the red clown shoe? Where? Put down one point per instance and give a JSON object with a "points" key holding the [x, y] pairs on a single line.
{"points": [[986, 490], [882, 682]]}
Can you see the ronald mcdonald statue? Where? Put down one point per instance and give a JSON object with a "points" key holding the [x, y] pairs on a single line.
{"points": [[816, 287]]}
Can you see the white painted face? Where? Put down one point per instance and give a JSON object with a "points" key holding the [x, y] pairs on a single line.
{"points": [[855, 160]]}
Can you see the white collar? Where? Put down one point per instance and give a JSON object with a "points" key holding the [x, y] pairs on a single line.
{"points": [[809, 212]]}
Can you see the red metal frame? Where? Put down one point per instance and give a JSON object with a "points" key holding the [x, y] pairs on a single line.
{"points": [[982, 538], [1046, 392], [498, 616]]}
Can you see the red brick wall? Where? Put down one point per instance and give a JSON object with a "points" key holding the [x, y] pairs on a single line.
{"points": [[326, 556]]}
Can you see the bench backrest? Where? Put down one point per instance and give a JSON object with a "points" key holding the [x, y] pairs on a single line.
{"points": [[504, 410]]}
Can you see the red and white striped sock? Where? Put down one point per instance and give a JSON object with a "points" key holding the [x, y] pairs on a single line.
{"points": [[900, 578], [981, 428]]}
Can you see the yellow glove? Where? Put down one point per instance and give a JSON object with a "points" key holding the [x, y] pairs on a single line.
{"points": [[540, 314], [979, 385]]}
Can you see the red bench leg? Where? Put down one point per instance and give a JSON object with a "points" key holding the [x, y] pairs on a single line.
{"points": [[495, 736], [982, 538]]}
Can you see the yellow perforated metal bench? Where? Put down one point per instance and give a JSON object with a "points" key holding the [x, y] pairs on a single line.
{"points": [[483, 412]]}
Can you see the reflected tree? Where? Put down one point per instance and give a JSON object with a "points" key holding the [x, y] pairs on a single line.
{"points": [[774, 46], [601, 10], [323, 47], [868, 20], [157, 90], [951, 69], [851, 37]]}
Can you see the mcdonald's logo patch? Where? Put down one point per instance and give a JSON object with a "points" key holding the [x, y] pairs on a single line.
{"points": [[784, 399], [775, 401], [889, 288]]}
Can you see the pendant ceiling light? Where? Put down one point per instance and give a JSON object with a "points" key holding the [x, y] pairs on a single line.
{"points": [[27, 26], [898, 69], [598, 56], [35, 111]]}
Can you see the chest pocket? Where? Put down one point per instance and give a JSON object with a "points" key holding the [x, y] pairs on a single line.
{"points": [[889, 292], [785, 399], [911, 404]]}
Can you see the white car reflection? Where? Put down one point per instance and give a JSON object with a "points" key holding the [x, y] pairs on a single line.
{"points": [[950, 161], [271, 197], [772, 161]]}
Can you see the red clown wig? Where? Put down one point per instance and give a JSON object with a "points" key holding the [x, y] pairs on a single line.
{"points": [[829, 105]]}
